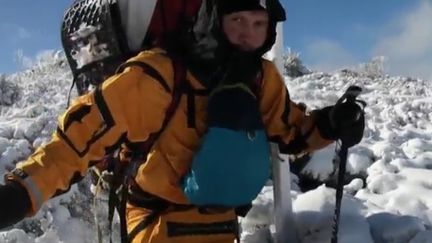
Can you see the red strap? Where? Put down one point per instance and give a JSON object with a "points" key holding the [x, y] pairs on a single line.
{"points": [[258, 83], [169, 15]]}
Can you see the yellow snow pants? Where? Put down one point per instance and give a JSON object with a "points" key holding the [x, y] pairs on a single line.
{"points": [[191, 225]]}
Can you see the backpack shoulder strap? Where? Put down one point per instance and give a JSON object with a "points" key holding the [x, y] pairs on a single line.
{"points": [[179, 73], [144, 148], [179, 82], [148, 69], [179, 79]]}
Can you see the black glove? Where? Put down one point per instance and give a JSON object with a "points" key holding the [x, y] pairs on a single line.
{"points": [[344, 121], [14, 203]]}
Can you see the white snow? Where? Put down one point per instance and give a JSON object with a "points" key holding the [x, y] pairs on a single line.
{"points": [[395, 157], [89, 50]]}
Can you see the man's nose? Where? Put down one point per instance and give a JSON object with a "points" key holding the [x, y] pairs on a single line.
{"points": [[247, 30], [247, 36]]}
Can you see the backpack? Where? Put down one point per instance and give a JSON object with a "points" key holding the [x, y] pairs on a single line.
{"points": [[99, 35]]}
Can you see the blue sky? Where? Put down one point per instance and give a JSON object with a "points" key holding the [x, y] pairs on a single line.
{"points": [[328, 34], [28, 27], [336, 33]]}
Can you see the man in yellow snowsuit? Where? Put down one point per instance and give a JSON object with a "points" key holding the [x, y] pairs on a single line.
{"points": [[131, 106]]}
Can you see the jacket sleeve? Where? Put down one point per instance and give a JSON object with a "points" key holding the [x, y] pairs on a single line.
{"points": [[93, 126], [286, 122]]}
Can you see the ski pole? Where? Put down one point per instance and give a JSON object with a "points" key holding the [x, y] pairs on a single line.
{"points": [[342, 157], [349, 96]]}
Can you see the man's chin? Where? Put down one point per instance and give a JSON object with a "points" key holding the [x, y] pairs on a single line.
{"points": [[245, 48]]}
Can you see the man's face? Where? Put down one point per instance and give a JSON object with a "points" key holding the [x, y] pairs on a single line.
{"points": [[246, 29]]}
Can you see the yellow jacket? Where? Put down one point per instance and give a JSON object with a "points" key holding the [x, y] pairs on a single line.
{"points": [[130, 106]]}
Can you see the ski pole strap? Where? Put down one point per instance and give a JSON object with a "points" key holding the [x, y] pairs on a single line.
{"points": [[70, 92], [95, 198], [122, 214], [113, 204]]}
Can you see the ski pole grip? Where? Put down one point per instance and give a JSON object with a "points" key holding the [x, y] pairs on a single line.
{"points": [[350, 96]]}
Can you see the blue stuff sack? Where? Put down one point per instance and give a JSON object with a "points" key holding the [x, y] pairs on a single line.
{"points": [[233, 162]]}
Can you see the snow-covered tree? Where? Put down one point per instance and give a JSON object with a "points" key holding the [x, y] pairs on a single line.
{"points": [[374, 68], [9, 92], [293, 66]]}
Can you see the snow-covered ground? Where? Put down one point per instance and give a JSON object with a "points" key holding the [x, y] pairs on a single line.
{"points": [[395, 158]]}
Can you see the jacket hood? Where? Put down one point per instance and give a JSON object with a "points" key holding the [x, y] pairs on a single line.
{"points": [[209, 40], [207, 47]]}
